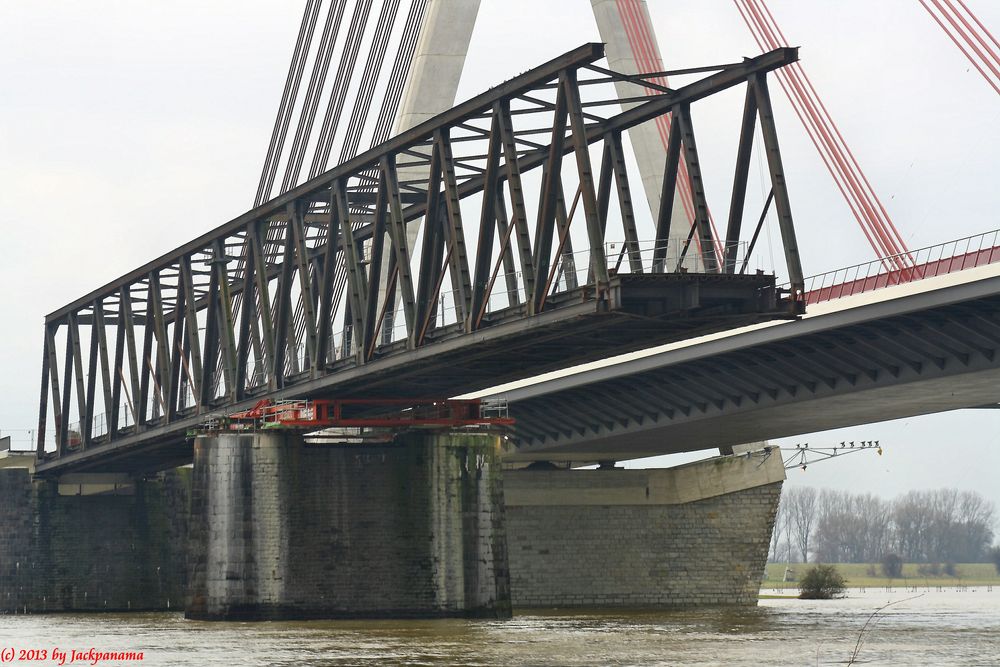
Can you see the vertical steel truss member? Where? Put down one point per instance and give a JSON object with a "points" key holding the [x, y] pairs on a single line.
{"points": [[215, 317]]}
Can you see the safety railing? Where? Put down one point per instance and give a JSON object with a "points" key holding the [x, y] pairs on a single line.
{"points": [[569, 271], [672, 256], [494, 408], [22, 440], [937, 260]]}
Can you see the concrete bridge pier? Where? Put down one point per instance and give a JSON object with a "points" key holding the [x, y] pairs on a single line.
{"points": [[282, 529]]}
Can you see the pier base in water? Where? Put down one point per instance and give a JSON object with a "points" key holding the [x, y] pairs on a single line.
{"points": [[689, 536], [93, 543], [281, 529]]}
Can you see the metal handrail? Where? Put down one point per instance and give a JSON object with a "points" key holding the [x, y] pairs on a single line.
{"points": [[914, 265]]}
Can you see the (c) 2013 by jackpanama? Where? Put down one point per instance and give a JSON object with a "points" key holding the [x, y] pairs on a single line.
{"points": [[58, 656]]}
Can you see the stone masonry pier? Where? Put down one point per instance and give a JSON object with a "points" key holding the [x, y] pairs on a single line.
{"points": [[693, 535], [284, 529], [92, 547], [267, 526]]}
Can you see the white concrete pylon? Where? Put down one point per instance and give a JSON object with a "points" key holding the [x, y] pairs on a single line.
{"points": [[438, 61], [631, 48]]}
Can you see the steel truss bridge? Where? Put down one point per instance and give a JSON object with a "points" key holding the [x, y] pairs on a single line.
{"points": [[337, 289]]}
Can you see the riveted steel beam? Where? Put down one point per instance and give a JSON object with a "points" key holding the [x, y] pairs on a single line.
{"points": [[229, 313]]}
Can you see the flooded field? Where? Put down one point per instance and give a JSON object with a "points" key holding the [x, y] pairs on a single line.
{"points": [[946, 627]]}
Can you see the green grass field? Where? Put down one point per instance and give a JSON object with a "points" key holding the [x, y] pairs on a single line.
{"points": [[859, 575]]}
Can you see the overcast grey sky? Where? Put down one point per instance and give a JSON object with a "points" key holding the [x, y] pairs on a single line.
{"points": [[127, 128]]}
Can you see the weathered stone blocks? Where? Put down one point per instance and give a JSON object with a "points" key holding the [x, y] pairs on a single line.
{"points": [[689, 536], [92, 552], [282, 529], [418, 528]]}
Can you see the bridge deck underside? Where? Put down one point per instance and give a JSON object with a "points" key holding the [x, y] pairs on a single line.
{"points": [[636, 311], [833, 371]]}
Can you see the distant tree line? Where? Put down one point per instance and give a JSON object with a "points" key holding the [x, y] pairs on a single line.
{"points": [[938, 526]]}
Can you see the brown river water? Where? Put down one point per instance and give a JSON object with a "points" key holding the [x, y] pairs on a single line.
{"points": [[941, 627]]}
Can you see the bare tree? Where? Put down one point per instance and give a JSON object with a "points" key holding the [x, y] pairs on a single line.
{"points": [[830, 530], [935, 526], [802, 509], [787, 521], [911, 522], [977, 517], [778, 530], [876, 520], [944, 525]]}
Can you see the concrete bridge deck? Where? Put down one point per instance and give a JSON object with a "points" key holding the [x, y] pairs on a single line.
{"points": [[917, 349]]}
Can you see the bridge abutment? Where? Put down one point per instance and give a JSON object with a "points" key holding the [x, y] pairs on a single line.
{"points": [[98, 546], [692, 535], [283, 529]]}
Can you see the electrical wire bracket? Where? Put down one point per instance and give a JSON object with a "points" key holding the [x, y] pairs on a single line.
{"points": [[802, 456]]}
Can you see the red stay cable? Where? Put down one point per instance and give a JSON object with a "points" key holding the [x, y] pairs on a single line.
{"points": [[966, 37], [842, 156], [892, 232], [960, 47], [979, 23], [838, 150], [644, 53], [826, 154], [823, 150]]}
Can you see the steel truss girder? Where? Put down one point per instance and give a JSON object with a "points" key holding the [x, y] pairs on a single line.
{"points": [[224, 315]]}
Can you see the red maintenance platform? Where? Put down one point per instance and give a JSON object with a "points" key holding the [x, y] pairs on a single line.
{"points": [[371, 413]]}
